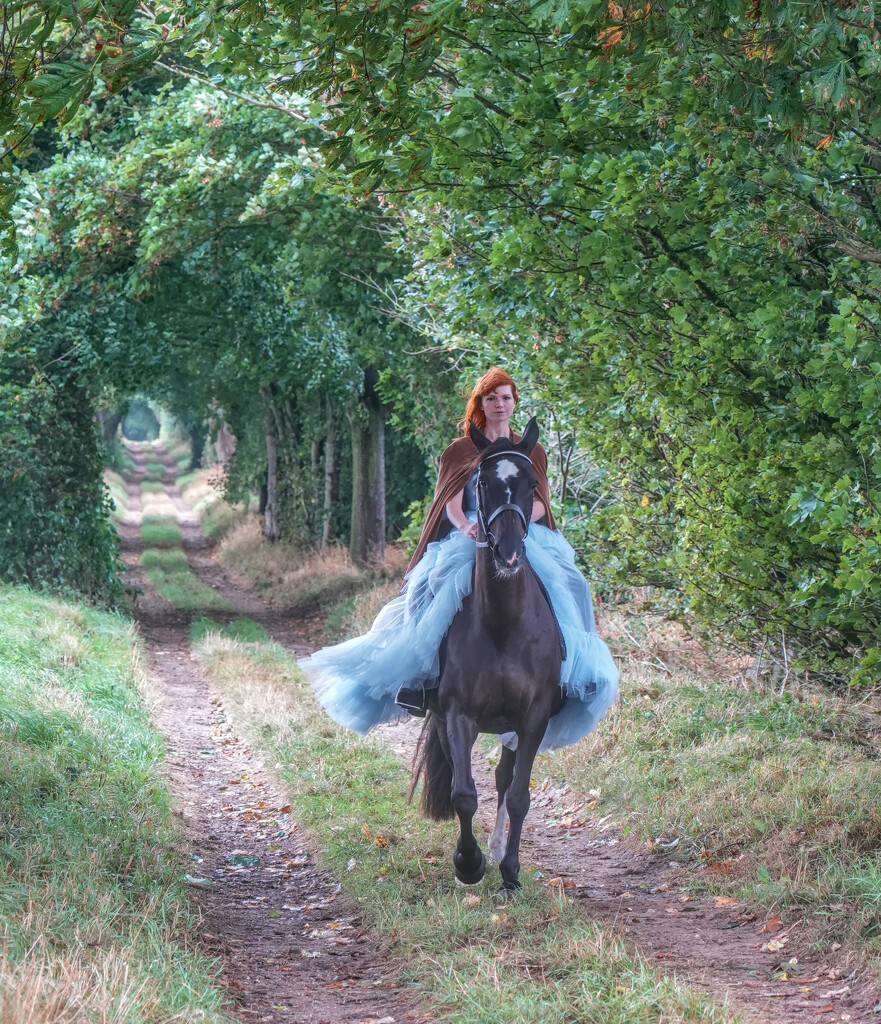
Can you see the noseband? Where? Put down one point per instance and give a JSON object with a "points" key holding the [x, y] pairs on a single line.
{"points": [[486, 522]]}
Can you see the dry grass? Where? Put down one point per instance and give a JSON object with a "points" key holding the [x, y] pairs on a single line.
{"points": [[201, 489], [289, 576], [156, 505], [94, 920], [90, 981]]}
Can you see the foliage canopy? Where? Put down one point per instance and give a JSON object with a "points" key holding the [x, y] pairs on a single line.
{"points": [[665, 218]]}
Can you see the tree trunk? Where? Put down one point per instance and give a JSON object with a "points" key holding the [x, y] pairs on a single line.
{"points": [[109, 420], [331, 478], [197, 442], [270, 514], [367, 541]]}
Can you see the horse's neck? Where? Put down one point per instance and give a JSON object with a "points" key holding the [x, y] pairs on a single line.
{"points": [[500, 602]]}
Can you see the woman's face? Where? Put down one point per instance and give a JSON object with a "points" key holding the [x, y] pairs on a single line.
{"points": [[497, 407]]}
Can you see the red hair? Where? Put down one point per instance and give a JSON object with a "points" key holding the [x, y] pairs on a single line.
{"points": [[495, 377]]}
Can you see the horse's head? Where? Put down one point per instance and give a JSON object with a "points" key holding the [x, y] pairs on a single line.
{"points": [[505, 486]]}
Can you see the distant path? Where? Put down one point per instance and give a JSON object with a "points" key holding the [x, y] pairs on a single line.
{"points": [[293, 947], [722, 950]]}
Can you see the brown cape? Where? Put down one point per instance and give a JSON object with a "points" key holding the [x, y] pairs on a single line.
{"points": [[456, 466]]}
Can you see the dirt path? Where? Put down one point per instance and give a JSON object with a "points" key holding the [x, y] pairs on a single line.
{"points": [[292, 946], [762, 965]]}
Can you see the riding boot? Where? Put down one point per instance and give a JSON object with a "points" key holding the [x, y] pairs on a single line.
{"points": [[414, 701]]}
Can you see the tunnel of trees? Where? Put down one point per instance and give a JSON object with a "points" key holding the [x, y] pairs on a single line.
{"points": [[316, 223]]}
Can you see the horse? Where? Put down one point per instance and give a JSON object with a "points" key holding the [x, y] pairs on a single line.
{"points": [[499, 668]]}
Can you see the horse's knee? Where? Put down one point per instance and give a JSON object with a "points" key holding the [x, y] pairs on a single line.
{"points": [[465, 801], [517, 803]]}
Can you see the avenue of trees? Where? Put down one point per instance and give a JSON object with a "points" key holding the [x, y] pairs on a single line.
{"points": [[664, 219]]}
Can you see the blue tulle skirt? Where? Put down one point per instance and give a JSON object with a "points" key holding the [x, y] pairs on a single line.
{"points": [[356, 682]]}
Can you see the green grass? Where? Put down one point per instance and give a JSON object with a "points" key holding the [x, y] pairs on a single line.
{"points": [[154, 471], [180, 451], [94, 916], [118, 492], [776, 796], [337, 625], [160, 531], [169, 572], [242, 630], [534, 956], [218, 518]]}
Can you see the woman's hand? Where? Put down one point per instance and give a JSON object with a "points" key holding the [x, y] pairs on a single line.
{"points": [[456, 515]]}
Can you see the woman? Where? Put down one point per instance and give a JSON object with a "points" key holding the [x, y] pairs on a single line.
{"points": [[357, 682]]}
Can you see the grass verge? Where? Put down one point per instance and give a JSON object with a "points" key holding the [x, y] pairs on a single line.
{"points": [[201, 489], [160, 531], [774, 797], [288, 576], [118, 492], [535, 955], [169, 572], [94, 917]]}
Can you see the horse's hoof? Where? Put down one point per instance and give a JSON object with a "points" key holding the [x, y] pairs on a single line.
{"points": [[473, 876], [508, 891]]}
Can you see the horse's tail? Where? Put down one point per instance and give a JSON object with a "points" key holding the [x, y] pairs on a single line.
{"points": [[430, 762]]}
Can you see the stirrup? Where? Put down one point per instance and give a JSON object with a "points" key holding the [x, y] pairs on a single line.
{"points": [[413, 701]]}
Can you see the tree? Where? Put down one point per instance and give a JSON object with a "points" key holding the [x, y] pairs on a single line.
{"points": [[677, 209]]}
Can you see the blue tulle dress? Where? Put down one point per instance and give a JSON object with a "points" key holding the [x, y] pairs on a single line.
{"points": [[356, 682]]}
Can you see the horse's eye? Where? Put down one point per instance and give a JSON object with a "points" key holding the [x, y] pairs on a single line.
{"points": [[481, 482]]}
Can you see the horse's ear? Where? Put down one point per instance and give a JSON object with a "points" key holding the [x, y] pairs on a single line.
{"points": [[480, 439], [530, 436]]}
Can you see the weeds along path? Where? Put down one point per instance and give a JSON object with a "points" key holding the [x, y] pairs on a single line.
{"points": [[761, 964], [291, 945]]}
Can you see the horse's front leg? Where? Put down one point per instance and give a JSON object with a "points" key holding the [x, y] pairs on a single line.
{"points": [[468, 860], [517, 805]]}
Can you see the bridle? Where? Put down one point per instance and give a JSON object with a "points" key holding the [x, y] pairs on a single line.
{"points": [[508, 506]]}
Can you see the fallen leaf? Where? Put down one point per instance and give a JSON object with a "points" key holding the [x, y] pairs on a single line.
{"points": [[471, 900], [244, 860], [203, 883], [727, 901], [772, 925], [775, 945], [828, 1008]]}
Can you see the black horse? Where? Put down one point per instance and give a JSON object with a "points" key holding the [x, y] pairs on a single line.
{"points": [[500, 668]]}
